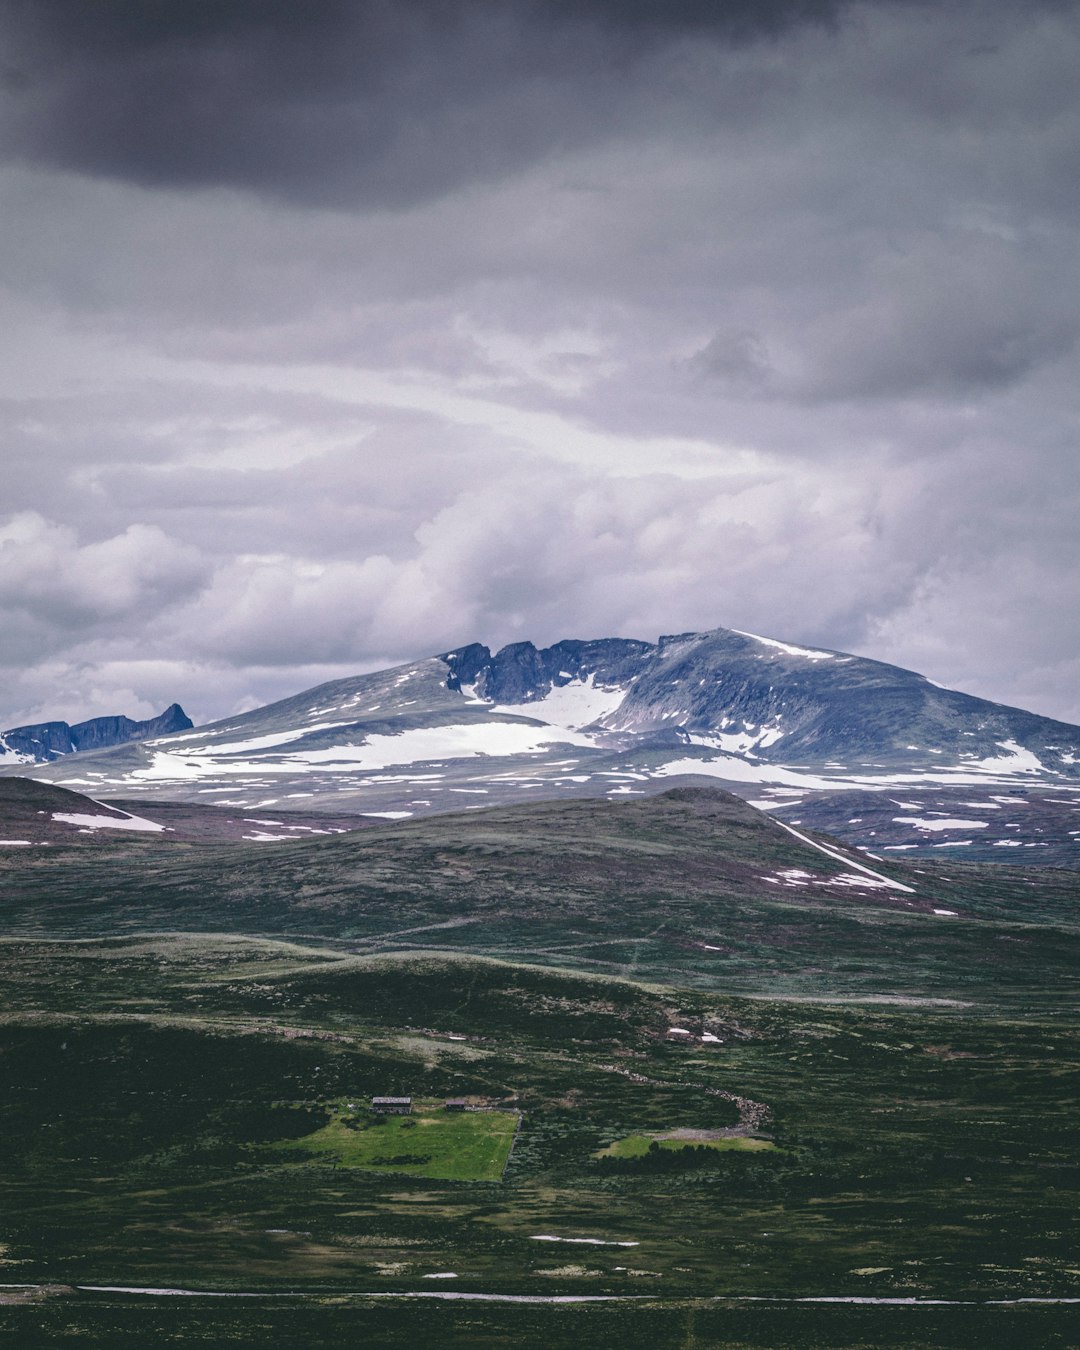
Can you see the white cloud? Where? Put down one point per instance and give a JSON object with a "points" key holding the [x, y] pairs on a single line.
{"points": [[786, 345], [46, 574]]}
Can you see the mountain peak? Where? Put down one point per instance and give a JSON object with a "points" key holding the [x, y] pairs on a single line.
{"points": [[618, 717], [41, 742]]}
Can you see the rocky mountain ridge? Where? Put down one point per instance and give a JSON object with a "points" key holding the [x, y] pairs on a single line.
{"points": [[42, 742], [775, 701]]}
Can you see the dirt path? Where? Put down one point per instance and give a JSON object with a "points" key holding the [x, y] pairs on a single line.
{"points": [[753, 1116]]}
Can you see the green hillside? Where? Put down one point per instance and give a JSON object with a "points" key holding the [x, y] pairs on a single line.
{"points": [[694, 887], [861, 1097]]}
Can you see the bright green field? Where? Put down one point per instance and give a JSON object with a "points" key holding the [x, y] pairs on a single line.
{"points": [[637, 1145], [432, 1142]]}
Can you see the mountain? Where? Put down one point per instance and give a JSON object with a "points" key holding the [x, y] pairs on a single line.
{"points": [[764, 700], [42, 742], [713, 1041], [777, 722]]}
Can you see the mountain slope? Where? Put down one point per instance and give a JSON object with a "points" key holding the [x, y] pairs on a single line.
{"points": [[768, 700], [768, 719], [42, 814], [693, 887]]}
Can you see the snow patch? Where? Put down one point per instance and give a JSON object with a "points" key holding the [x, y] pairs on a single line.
{"points": [[743, 742], [811, 653], [423, 744], [417, 745], [923, 823], [739, 771], [863, 883], [839, 857], [591, 1242], [1015, 760], [736, 770], [260, 742], [570, 706], [90, 822]]}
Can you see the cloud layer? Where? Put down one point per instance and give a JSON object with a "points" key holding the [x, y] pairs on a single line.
{"points": [[346, 332]]}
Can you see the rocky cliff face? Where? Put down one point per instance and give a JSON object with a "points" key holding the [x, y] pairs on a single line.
{"points": [[522, 673], [784, 703], [41, 742]]}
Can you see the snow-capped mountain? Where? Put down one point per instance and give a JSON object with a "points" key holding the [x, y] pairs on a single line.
{"points": [[42, 742], [765, 701], [773, 721]]}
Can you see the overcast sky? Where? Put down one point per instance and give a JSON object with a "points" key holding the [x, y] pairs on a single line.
{"points": [[342, 332]]}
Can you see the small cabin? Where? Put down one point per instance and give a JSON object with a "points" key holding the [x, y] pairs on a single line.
{"points": [[454, 1104], [392, 1106]]}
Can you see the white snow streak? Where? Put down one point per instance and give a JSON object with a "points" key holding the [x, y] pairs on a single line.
{"points": [[259, 742], [108, 822], [848, 862], [811, 653], [937, 823], [591, 1242]]}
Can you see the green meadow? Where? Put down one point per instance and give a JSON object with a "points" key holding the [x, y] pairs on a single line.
{"points": [[430, 1142], [639, 1145]]}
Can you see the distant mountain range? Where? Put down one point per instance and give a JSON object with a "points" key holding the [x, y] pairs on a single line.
{"points": [[787, 726], [42, 742]]}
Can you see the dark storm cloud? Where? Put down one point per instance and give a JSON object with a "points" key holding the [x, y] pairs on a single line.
{"points": [[337, 101], [685, 314]]}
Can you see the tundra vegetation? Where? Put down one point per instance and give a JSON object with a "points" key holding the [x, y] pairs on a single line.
{"points": [[867, 1097]]}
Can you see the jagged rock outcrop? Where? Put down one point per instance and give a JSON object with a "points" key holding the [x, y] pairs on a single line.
{"points": [[41, 742]]}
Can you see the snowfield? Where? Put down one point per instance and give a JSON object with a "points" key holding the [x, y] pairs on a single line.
{"points": [[1015, 760], [570, 706], [417, 745]]}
